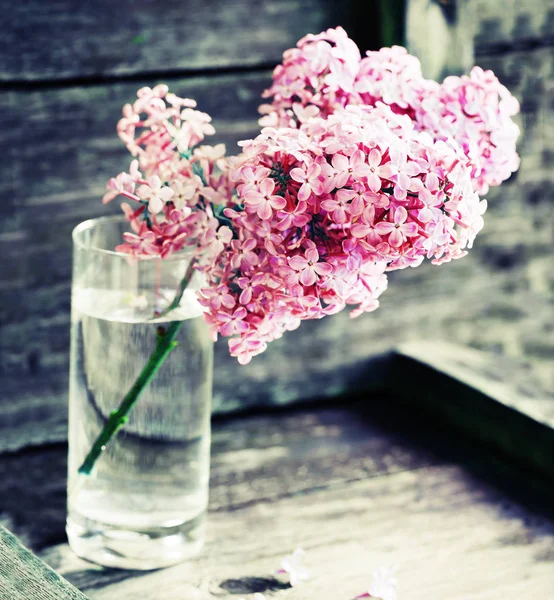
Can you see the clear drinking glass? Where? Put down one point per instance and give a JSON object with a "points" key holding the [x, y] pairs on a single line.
{"points": [[143, 505]]}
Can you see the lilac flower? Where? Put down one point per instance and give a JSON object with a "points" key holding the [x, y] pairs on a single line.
{"points": [[292, 565]]}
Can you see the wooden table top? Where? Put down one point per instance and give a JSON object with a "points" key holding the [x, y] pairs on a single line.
{"points": [[358, 485]]}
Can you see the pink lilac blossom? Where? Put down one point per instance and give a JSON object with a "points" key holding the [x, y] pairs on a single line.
{"points": [[392, 76], [325, 73], [176, 185], [293, 566], [476, 111], [346, 199], [383, 585], [309, 218], [315, 79]]}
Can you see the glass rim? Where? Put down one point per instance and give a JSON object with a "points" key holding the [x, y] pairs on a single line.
{"points": [[90, 224]]}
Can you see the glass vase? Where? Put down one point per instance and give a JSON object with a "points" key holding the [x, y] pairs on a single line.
{"points": [[140, 500]]}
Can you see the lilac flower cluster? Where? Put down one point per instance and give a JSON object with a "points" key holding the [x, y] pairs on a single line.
{"points": [[363, 167], [325, 72], [325, 209]]}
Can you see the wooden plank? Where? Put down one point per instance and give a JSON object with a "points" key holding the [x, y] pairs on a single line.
{"points": [[356, 486], [254, 459], [23, 575], [450, 535], [32, 418], [504, 26], [486, 399], [74, 39], [508, 382], [75, 147]]}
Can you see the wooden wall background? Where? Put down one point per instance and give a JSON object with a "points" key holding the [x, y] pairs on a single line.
{"points": [[67, 67]]}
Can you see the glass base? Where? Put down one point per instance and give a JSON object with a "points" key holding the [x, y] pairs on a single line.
{"points": [[144, 550]]}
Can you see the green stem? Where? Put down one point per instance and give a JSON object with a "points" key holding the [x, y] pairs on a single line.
{"points": [[166, 343]]}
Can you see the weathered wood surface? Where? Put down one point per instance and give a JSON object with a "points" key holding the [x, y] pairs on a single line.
{"points": [[254, 459], [79, 40], [509, 382], [432, 387], [453, 535], [24, 576], [487, 400], [74, 39], [372, 481], [511, 24]]}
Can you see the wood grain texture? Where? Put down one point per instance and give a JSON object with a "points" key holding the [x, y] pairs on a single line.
{"points": [[71, 39], [488, 401], [254, 459], [74, 39], [511, 24], [23, 575], [509, 382], [358, 486], [450, 535]]}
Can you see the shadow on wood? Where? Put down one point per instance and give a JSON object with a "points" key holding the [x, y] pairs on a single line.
{"points": [[252, 585]]}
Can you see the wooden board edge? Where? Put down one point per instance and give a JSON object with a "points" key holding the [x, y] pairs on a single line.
{"points": [[423, 379], [24, 575]]}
